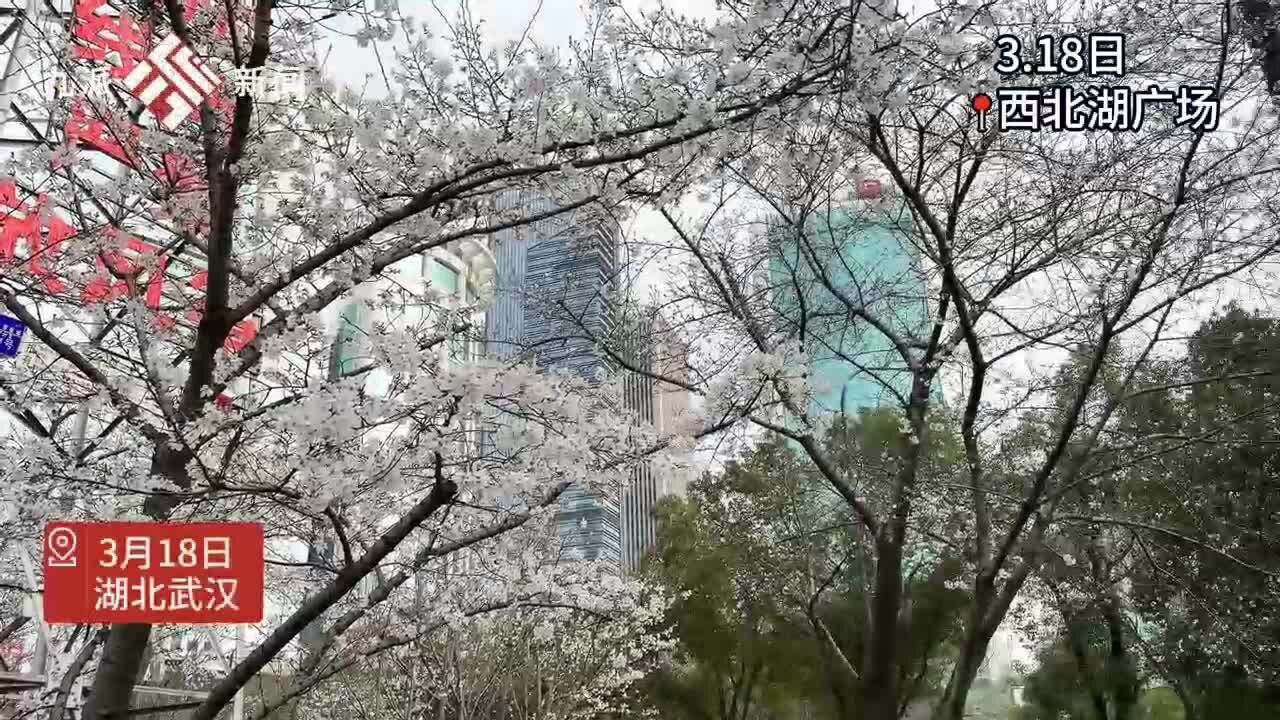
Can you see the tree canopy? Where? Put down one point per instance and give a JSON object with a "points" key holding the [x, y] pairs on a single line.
{"points": [[232, 314]]}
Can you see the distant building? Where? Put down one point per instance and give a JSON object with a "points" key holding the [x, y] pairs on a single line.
{"points": [[849, 256], [554, 293], [458, 274], [557, 291], [861, 255], [650, 344], [671, 360]]}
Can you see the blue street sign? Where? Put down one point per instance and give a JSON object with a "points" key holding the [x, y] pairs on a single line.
{"points": [[11, 331]]}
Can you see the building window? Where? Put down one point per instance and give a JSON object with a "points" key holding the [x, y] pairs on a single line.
{"points": [[348, 343], [444, 279], [457, 348], [448, 281]]}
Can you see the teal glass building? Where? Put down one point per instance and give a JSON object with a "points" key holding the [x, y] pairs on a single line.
{"points": [[855, 256]]}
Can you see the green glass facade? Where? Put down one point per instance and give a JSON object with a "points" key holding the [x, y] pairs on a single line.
{"points": [[351, 350], [350, 336], [849, 256], [443, 278]]}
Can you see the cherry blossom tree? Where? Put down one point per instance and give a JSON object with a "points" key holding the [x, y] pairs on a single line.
{"points": [[177, 363], [173, 282], [542, 659], [1061, 247]]}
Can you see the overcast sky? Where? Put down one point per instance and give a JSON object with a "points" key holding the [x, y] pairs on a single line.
{"points": [[546, 22], [549, 22]]}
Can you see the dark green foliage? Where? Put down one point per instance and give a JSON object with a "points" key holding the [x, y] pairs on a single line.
{"points": [[769, 568], [1191, 467], [1219, 619]]}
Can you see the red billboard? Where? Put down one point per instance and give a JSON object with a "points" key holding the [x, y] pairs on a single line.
{"points": [[32, 234], [151, 572]]}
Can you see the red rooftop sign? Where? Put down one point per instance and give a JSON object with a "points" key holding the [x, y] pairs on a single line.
{"points": [[157, 573], [868, 188]]}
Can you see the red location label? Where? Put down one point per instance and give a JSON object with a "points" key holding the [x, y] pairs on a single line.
{"points": [[157, 573], [982, 104]]}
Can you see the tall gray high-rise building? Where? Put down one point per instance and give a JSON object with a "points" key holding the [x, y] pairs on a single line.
{"points": [[555, 292], [551, 276], [651, 346], [637, 500]]}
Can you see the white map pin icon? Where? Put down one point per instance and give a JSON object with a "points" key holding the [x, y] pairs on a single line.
{"points": [[62, 547]]}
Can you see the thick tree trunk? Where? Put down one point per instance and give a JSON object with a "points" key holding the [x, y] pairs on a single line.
{"points": [[973, 649], [1124, 678], [881, 687], [880, 678], [1079, 652], [1258, 17], [1094, 685], [1189, 710], [118, 671], [126, 645], [973, 652]]}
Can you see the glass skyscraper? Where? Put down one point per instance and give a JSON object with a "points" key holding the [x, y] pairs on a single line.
{"points": [[849, 256], [554, 292], [638, 501]]}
